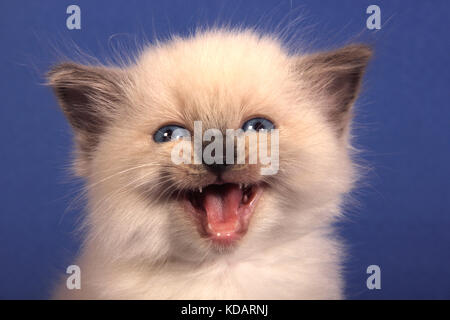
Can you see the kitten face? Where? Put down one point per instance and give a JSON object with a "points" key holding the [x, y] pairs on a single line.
{"points": [[143, 205]]}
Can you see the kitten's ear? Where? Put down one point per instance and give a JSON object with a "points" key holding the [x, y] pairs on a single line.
{"points": [[336, 77], [89, 97]]}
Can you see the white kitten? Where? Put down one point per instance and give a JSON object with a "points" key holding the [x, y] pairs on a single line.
{"points": [[150, 232]]}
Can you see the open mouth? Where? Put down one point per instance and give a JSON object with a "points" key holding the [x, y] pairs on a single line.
{"points": [[223, 211]]}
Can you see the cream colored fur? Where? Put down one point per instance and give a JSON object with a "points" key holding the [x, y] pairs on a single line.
{"points": [[140, 244]]}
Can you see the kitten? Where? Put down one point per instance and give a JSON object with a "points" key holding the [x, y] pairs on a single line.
{"points": [[159, 230]]}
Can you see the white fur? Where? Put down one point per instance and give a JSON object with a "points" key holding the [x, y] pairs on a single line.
{"points": [[138, 248]]}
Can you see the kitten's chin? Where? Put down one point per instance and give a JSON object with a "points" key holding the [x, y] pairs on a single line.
{"points": [[222, 212]]}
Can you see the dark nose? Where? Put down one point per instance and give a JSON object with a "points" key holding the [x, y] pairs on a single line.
{"points": [[218, 168]]}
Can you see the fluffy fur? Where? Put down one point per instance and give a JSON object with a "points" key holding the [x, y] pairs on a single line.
{"points": [[139, 243]]}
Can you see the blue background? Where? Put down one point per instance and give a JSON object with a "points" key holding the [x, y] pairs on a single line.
{"points": [[403, 127]]}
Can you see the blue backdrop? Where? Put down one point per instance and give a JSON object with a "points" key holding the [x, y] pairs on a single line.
{"points": [[403, 125]]}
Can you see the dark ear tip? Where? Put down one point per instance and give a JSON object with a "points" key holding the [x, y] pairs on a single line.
{"points": [[360, 51], [57, 71]]}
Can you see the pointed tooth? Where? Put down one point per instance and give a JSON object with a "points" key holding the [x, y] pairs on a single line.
{"points": [[200, 189], [240, 185]]}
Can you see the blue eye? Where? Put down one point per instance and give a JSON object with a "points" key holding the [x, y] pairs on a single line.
{"points": [[170, 133], [258, 124]]}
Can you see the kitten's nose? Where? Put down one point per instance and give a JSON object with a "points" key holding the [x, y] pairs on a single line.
{"points": [[218, 168]]}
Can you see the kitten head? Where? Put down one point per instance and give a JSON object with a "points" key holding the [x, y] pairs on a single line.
{"points": [[143, 204]]}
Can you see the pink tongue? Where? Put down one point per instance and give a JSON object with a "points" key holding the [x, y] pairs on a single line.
{"points": [[221, 205]]}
